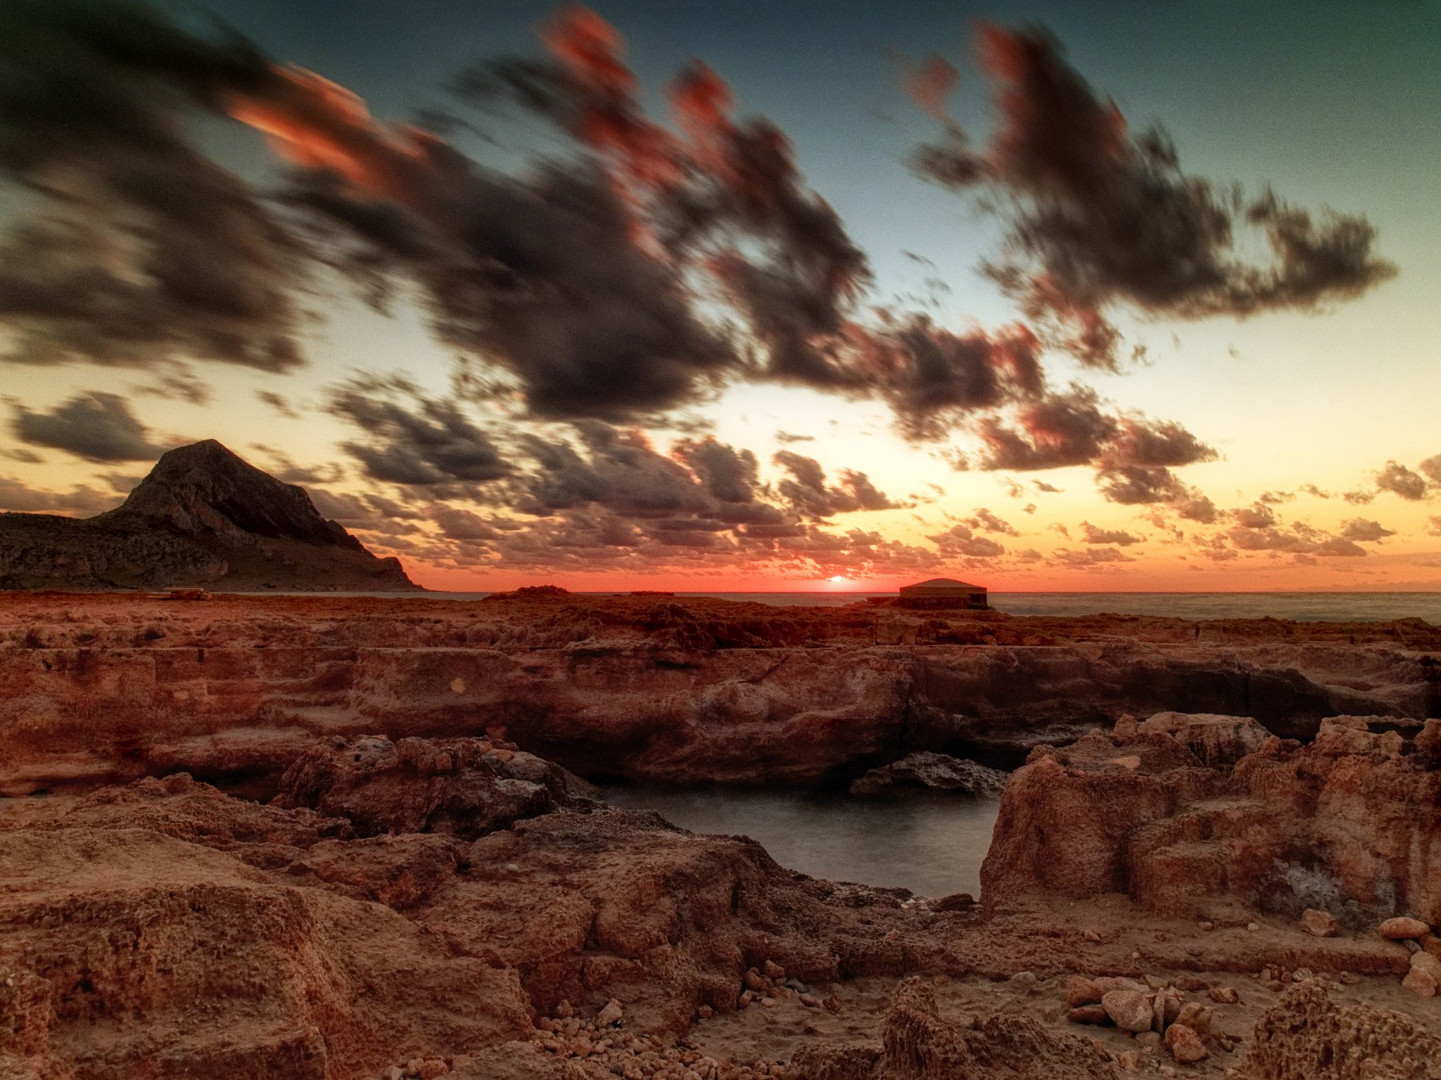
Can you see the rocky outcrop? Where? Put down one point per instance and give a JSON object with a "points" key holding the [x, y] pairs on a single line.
{"points": [[230, 690], [457, 787], [1308, 1035], [202, 517], [167, 929], [928, 771], [919, 1045], [1173, 813], [125, 952]]}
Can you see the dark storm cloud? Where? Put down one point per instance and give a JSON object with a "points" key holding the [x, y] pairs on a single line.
{"points": [[934, 379], [574, 280], [1399, 480], [634, 274], [138, 250], [1131, 485], [808, 493], [434, 443], [602, 497], [1100, 216], [1133, 454], [620, 471], [1056, 431], [464, 525], [96, 427]]}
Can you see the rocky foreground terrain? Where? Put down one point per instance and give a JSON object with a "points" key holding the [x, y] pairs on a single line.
{"points": [[344, 838]]}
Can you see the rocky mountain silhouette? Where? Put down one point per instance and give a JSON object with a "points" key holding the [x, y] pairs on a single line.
{"points": [[202, 518]]}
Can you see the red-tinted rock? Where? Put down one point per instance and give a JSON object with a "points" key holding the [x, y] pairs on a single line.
{"points": [[1318, 923], [1082, 991], [919, 1045], [463, 787], [1185, 1045], [1128, 1010], [1176, 837], [1403, 928], [1308, 1035]]}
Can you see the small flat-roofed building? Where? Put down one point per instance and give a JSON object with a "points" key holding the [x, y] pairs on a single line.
{"points": [[942, 593]]}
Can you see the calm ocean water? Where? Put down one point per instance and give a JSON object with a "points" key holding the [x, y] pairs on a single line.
{"points": [[1300, 606], [932, 844]]}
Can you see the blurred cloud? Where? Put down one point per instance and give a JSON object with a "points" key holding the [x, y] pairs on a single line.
{"points": [[431, 444], [1100, 216], [20, 497], [97, 427], [140, 251]]}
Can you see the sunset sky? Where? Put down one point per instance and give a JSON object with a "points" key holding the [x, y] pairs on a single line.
{"points": [[1101, 296]]}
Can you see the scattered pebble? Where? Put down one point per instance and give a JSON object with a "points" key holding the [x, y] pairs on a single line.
{"points": [[611, 1014], [1185, 1044], [1087, 1014], [1082, 991], [1318, 923], [1403, 927]]}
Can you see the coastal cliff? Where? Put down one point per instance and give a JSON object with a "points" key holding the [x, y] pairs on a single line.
{"points": [[641, 688]]}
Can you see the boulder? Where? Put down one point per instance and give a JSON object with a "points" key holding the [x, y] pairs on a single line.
{"points": [[1128, 1010]]}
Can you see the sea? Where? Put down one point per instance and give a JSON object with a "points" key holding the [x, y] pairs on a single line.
{"points": [[933, 843], [1298, 606]]}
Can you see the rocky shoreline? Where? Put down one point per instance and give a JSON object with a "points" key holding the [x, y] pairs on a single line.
{"points": [[345, 838]]}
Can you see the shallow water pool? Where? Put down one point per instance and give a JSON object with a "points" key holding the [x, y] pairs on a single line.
{"points": [[932, 844]]}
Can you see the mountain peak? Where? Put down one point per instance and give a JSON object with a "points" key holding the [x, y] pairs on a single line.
{"points": [[205, 488]]}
